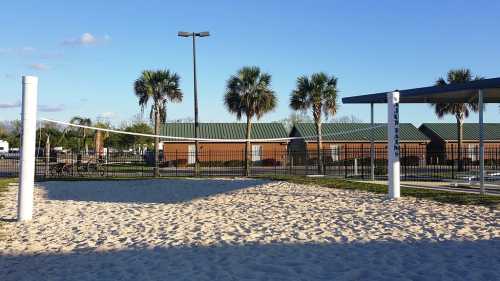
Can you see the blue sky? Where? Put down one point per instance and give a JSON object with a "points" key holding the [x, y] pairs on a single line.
{"points": [[88, 53]]}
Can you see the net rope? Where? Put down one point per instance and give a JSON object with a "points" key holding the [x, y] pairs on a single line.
{"points": [[209, 139]]}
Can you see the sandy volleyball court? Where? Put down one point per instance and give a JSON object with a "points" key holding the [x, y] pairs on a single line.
{"points": [[242, 230]]}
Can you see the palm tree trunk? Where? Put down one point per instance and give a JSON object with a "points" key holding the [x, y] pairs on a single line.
{"points": [[157, 141], [85, 144], [247, 146], [460, 136], [319, 147]]}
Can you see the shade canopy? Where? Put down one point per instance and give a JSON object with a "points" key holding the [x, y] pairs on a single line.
{"points": [[463, 92]]}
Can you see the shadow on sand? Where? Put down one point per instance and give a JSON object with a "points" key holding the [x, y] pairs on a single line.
{"points": [[143, 191], [450, 260]]}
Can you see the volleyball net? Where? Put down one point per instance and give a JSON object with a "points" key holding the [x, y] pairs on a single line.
{"points": [[340, 155], [225, 140]]}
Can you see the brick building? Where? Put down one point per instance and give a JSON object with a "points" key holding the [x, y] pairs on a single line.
{"points": [[443, 144], [183, 151], [353, 140]]}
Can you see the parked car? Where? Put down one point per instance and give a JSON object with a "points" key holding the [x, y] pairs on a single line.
{"points": [[4, 148], [9, 155]]}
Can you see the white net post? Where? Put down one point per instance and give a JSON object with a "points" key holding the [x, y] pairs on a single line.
{"points": [[393, 164], [28, 143]]}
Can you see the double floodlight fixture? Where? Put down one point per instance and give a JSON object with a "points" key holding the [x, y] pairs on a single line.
{"points": [[189, 34]]}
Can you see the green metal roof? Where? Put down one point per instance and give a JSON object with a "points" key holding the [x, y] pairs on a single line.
{"points": [[448, 131], [347, 132], [224, 130]]}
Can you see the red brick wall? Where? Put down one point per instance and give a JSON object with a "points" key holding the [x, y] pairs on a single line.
{"points": [[223, 151], [362, 150], [492, 150]]}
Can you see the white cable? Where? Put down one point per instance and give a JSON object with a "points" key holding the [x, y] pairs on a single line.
{"points": [[206, 139]]}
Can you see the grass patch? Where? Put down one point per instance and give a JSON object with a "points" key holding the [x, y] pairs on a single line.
{"points": [[4, 183], [3, 188], [460, 198]]}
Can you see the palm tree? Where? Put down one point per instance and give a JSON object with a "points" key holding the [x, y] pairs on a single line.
{"points": [[78, 120], [159, 87], [100, 138], [249, 93], [460, 110], [319, 93]]}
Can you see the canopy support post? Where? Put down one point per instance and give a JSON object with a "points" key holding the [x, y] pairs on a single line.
{"points": [[481, 142], [393, 165], [372, 145]]}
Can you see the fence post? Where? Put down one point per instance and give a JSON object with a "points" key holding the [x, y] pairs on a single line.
{"points": [[496, 159], [47, 156], [405, 162], [306, 158], [345, 161], [363, 164], [274, 162], [453, 162]]}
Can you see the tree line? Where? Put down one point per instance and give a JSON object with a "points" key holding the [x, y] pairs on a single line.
{"points": [[79, 139], [248, 95]]}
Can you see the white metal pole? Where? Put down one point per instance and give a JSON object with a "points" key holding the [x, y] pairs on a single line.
{"points": [[393, 164], [28, 141], [481, 143]]}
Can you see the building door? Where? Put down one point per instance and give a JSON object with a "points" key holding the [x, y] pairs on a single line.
{"points": [[191, 154], [473, 151], [334, 150], [256, 153]]}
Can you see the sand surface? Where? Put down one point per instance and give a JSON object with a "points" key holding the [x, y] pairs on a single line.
{"points": [[242, 230]]}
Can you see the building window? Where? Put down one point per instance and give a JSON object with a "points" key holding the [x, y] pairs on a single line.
{"points": [[256, 153], [191, 154], [473, 151], [334, 150]]}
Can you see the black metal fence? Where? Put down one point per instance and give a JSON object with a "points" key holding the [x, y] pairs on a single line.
{"points": [[417, 164]]}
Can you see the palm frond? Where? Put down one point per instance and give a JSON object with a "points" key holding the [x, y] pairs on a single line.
{"points": [[249, 93], [459, 110], [160, 87], [318, 93]]}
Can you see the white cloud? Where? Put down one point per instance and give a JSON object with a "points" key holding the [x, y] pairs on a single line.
{"points": [[41, 107], [27, 49], [18, 51], [106, 115], [51, 55], [39, 66], [51, 108], [86, 39], [11, 104]]}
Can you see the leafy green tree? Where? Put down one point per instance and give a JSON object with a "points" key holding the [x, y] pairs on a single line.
{"points": [[142, 128], [47, 132], [249, 94], [158, 88], [293, 119], [318, 93], [12, 133], [78, 120], [461, 111], [3, 132]]}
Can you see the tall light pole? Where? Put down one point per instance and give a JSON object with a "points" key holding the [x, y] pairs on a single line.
{"points": [[195, 86]]}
